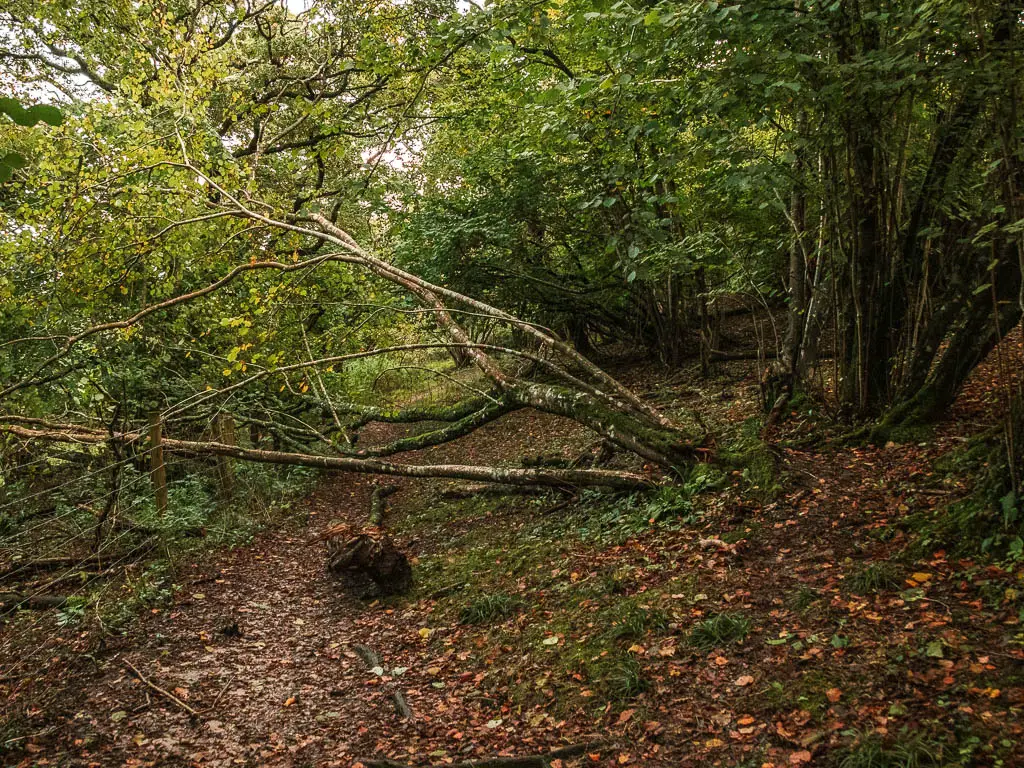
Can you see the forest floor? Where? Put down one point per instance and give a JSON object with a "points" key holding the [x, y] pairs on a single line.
{"points": [[791, 614]]}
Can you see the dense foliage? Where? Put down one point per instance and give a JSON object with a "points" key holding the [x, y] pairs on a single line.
{"points": [[609, 173]]}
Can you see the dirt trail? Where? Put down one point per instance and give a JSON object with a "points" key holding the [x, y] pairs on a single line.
{"points": [[819, 661], [289, 690]]}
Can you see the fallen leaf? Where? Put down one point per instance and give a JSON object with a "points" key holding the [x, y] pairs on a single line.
{"points": [[626, 714], [798, 758], [834, 694], [743, 680]]}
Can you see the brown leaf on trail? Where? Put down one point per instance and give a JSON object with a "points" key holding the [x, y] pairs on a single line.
{"points": [[799, 758], [743, 680], [626, 714], [289, 701], [834, 694]]}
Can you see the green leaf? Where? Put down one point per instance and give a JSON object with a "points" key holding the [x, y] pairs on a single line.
{"points": [[40, 113], [13, 160]]}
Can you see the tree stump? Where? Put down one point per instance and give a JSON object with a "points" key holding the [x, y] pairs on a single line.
{"points": [[368, 562]]}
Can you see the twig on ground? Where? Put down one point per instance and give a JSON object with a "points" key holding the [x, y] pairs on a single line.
{"points": [[527, 761], [373, 661], [158, 689]]}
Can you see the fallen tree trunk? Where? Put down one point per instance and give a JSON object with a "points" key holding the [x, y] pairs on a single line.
{"points": [[74, 562], [10, 601], [368, 559], [558, 478]]}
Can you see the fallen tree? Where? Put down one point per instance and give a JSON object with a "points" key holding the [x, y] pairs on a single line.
{"points": [[558, 478]]}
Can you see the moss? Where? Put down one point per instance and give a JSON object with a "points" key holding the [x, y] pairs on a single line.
{"points": [[754, 458], [989, 520], [666, 447]]}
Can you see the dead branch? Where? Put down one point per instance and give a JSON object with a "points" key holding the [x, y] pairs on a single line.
{"points": [[166, 694], [527, 761], [373, 661], [558, 478], [56, 563], [378, 503]]}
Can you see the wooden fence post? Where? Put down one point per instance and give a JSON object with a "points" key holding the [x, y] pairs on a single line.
{"points": [[157, 468], [225, 433]]}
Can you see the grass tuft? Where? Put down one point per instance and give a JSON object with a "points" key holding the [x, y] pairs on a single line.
{"points": [[635, 621], [624, 678], [719, 630], [873, 578], [804, 598], [489, 609], [912, 750]]}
